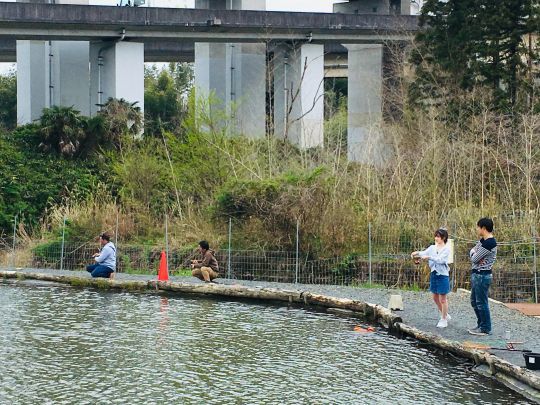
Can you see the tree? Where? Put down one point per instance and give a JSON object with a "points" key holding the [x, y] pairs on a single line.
{"points": [[183, 76], [163, 106], [62, 130], [467, 44], [165, 97], [32, 181], [123, 118], [8, 100]]}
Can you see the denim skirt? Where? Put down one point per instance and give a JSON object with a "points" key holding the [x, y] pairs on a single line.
{"points": [[439, 284]]}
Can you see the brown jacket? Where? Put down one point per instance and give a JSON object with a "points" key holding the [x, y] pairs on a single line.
{"points": [[209, 260]]}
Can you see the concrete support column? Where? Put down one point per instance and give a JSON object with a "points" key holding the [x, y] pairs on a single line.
{"points": [[299, 94], [117, 71], [71, 75], [51, 73], [365, 142], [247, 69], [210, 74], [33, 70], [235, 74], [394, 7], [405, 6]]}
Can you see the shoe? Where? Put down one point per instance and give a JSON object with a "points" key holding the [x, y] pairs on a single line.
{"points": [[443, 323], [448, 317], [479, 332]]}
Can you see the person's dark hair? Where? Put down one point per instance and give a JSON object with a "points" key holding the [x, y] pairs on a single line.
{"points": [[442, 233], [204, 244], [485, 223], [105, 236]]}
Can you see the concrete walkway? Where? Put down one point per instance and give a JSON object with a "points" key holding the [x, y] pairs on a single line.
{"points": [[419, 311]]}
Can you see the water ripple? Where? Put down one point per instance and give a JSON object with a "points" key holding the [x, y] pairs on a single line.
{"points": [[62, 345]]}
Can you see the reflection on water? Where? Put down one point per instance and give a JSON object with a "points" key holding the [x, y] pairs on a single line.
{"points": [[67, 345]]}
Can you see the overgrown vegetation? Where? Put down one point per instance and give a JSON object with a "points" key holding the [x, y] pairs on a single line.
{"points": [[465, 145], [8, 101], [467, 45]]}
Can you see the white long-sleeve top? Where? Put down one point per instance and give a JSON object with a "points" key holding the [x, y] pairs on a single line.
{"points": [[107, 256], [438, 259]]}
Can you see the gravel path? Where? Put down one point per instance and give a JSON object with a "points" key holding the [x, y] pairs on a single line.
{"points": [[419, 311]]}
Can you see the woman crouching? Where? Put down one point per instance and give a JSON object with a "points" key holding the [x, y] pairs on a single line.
{"points": [[438, 256]]}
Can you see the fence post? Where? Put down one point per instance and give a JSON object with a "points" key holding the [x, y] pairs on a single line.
{"points": [[297, 251], [14, 238], [167, 239], [116, 232], [369, 254], [229, 250], [118, 267], [535, 269], [63, 244], [453, 278]]}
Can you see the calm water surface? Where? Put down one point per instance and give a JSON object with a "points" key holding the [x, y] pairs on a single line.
{"points": [[66, 345]]}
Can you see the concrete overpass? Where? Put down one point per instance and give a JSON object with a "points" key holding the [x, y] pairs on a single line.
{"points": [[38, 21], [266, 69]]}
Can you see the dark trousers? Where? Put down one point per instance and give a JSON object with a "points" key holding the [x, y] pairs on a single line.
{"points": [[479, 299], [97, 270]]}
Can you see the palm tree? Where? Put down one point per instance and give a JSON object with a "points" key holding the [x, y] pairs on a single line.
{"points": [[62, 130], [123, 118]]}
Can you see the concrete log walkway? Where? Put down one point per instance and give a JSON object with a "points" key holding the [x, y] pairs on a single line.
{"points": [[419, 319]]}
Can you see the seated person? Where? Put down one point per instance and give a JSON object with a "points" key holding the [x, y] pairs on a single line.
{"points": [[206, 269], [105, 260]]}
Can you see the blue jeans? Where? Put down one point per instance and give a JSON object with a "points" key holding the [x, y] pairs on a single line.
{"points": [[97, 270], [479, 299]]}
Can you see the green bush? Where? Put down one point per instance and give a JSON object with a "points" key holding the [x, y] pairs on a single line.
{"points": [[8, 100], [31, 181], [269, 210], [47, 253]]}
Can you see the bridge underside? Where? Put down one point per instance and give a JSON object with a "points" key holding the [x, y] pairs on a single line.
{"points": [[155, 52]]}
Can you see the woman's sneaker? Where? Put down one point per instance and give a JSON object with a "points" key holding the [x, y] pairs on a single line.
{"points": [[448, 317], [443, 323]]}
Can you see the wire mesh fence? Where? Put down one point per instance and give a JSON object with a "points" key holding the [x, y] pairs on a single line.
{"points": [[384, 260]]}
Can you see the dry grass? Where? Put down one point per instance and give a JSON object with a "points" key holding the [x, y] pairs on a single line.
{"points": [[437, 173]]}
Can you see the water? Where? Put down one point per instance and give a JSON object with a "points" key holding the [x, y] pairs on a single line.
{"points": [[66, 345]]}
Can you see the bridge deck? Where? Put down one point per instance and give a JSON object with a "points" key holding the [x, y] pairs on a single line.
{"points": [[142, 24]]}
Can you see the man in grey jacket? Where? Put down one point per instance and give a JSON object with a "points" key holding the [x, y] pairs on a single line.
{"points": [[105, 259]]}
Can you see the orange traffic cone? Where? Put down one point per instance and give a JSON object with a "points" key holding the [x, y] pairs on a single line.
{"points": [[163, 273]]}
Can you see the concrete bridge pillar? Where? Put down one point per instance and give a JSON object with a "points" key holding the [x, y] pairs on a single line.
{"points": [[299, 94], [235, 74], [393, 7], [366, 143], [70, 72], [116, 70], [365, 89], [51, 73], [33, 71]]}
